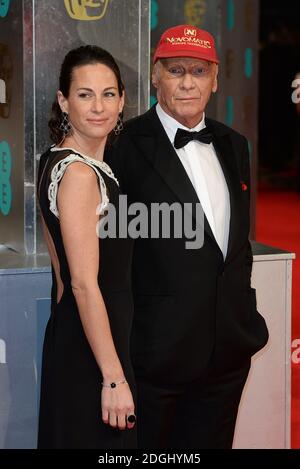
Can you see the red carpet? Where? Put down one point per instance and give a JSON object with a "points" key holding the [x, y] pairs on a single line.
{"points": [[278, 224]]}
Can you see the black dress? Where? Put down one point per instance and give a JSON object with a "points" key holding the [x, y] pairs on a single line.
{"points": [[70, 404]]}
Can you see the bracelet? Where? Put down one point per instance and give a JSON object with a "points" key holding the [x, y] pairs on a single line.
{"points": [[113, 384]]}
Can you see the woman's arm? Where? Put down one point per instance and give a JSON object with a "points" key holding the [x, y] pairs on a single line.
{"points": [[78, 198]]}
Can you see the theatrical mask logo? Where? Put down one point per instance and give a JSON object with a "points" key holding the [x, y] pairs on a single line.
{"points": [[6, 70], [194, 11], [5, 172], [86, 10], [4, 6]]}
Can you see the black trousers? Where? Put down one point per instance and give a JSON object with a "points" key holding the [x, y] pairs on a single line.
{"points": [[197, 415]]}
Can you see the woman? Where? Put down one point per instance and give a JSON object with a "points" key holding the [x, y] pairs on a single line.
{"points": [[87, 379]]}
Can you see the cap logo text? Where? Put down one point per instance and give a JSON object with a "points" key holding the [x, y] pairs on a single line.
{"points": [[190, 32], [175, 41]]}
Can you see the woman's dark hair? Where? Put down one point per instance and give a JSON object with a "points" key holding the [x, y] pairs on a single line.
{"points": [[84, 55]]}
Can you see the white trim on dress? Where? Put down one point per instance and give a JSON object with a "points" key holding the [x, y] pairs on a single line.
{"points": [[60, 168]]}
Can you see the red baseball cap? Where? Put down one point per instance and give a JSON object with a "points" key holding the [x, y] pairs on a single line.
{"points": [[186, 40]]}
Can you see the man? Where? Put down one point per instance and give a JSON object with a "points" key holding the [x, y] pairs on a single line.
{"points": [[196, 325]]}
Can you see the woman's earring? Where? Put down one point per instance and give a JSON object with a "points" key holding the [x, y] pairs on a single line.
{"points": [[65, 125], [119, 127]]}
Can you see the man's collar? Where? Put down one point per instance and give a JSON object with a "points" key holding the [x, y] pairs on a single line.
{"points": [[171, 125]]}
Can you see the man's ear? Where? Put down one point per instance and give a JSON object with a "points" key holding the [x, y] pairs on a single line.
{"points": [[215, 81], [62, 101], [154, 80], [155, 75]]}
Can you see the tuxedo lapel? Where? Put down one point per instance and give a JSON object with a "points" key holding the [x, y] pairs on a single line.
{"points": [[226, 155], [156, 146]]}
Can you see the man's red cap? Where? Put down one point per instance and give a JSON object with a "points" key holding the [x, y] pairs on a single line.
{"points": [[186, 41]]}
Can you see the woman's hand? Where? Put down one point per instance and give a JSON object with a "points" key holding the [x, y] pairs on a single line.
{"points": [[117, 404]]}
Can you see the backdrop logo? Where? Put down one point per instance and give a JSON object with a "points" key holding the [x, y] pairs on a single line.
{"points": [[86, 10], [6, 72], [2, 352], [4, 6], [5, 171], [194, 12]]}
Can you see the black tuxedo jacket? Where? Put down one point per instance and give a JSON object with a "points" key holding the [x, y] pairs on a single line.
{"points": [[192, 307]]}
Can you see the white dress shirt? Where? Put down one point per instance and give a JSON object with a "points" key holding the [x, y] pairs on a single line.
{"points": [[204, 170]]}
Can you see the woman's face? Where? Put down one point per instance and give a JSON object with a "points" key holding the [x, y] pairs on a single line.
{"points": [[94, 102]]}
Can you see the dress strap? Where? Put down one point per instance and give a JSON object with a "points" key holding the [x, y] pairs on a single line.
{"points": [[59, 170]]}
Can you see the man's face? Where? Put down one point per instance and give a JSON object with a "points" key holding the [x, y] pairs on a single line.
{"points": [[184, 86]]}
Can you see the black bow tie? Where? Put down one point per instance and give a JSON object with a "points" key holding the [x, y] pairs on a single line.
{"points": [[183, 137]]}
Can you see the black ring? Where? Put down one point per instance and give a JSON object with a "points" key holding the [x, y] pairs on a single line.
{"points": [[131, 418]]}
